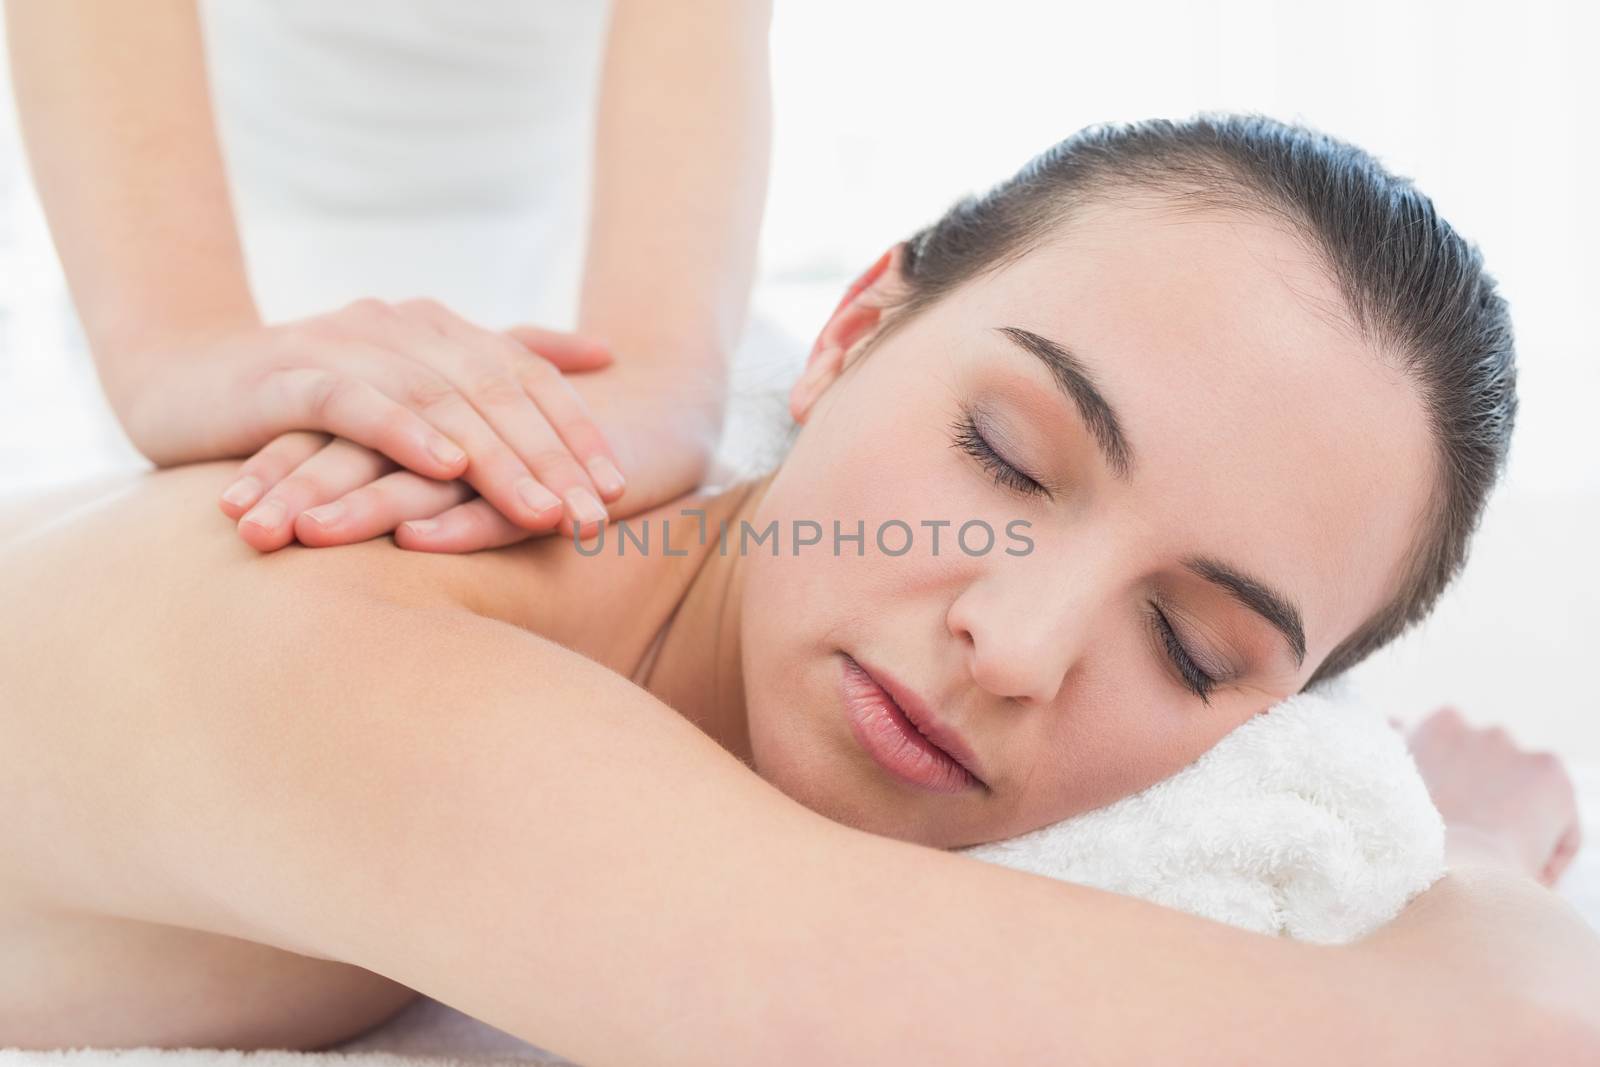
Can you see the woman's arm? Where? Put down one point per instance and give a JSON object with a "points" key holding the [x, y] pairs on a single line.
{"points": [[1487, 918], [493, 820]]}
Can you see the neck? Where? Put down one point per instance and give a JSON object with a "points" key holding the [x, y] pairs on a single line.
{"points": [[695, 665]]}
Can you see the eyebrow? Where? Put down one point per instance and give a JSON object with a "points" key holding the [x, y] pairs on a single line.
{"points": [[1259, 597], [1074, 380]]}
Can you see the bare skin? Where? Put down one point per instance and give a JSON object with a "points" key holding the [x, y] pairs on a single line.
{"points": [[157, 547], [141, 557], [435, 768], [157, 274]]}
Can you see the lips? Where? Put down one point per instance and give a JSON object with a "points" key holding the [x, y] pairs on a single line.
{"points": [[901, 734]]}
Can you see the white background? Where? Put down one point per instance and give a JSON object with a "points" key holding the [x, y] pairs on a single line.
{"points": [[887, 111]]}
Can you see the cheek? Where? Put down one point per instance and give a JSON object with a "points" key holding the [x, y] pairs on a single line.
{"points": [[876, 473], [880, 444], [1125, 739]]}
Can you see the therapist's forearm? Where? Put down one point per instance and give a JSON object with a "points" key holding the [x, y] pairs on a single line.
{"points": [[116, 114], [680, 176]]}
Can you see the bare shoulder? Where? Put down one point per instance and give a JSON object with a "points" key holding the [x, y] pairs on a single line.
{"points": [[140, 636], [134, 626], [313, 707], [372, 750]]}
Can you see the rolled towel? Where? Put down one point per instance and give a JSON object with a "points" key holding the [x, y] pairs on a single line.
{"points": [[1310, 820]]}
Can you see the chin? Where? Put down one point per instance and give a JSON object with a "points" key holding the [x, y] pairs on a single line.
{"points": [[812, 774]]}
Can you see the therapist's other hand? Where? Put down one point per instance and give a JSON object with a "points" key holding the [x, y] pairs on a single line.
{"points": [[1499, 802], [413, 382], [662, 423], [341, 493]]}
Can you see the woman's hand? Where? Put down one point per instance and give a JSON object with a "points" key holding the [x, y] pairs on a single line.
{"points": [[1499, 802], [412, 382]]}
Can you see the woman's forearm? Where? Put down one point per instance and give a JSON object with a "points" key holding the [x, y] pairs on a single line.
{"points": [[1487, 925], [506, 826], [116, 114], [680, 172]]}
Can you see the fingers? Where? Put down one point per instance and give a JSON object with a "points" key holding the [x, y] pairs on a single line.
{"points": [[267, 468], [496, 469], [525, 402], [1480, 777], [466, 527], [350, 407], [330, 473], [1445, 718], [568, 351], [492, 467], [445, 399], [380, 506], [1566, 850], [571, 419]]}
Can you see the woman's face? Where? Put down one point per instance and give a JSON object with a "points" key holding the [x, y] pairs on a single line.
{"points": [[1245, 428]]}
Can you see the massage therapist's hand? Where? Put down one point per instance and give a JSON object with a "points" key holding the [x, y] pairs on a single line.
{"points": [[411, 381], [666, 448], [662, 426], [1500, 803], [659, 418]]}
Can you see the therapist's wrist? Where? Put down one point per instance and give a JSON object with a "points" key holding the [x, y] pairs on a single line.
{"points": [[131, 355], [171, 390], [659, 424], [683, 381]]}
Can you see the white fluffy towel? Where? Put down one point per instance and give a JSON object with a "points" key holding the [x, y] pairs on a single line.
{"points": [[1310, 820]]}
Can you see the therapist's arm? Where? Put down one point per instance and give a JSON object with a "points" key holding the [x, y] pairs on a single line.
{"points": [[116, 113], [492, 819], [679, 183]]}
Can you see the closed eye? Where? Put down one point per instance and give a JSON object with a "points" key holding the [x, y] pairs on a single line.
{"points": [[970, 439], [967, 437], [1196, 680]]}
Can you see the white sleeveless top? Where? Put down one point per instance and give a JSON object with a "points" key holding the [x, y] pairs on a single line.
{"points": [[398, 148]]}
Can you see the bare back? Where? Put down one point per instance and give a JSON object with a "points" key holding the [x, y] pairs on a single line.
{"points": [[117, 597]]}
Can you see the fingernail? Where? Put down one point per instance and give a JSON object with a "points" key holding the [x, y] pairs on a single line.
{"points": [[537, 496], [583, 507], [605, 474], [327, 514], [267, 515], [445, 452], [242, 491], [422, 526]]}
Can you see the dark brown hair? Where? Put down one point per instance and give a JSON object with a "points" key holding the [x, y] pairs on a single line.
{"points": [[1413, 288]]}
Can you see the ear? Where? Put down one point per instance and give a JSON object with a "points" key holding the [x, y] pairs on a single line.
{"points": [[852, 322]]}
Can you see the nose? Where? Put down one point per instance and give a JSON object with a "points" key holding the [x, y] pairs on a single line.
{"points": [[1021, 638]]}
